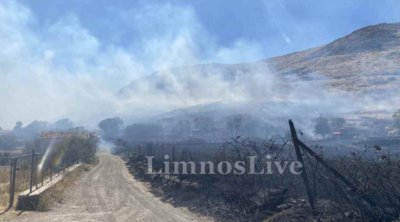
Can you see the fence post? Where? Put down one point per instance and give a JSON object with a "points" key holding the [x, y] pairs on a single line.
{"points": [[11, 176], [173, 152], [32, 171], [12, 182], [352, 188], [42, 174], [304, 174], [36, 174]]}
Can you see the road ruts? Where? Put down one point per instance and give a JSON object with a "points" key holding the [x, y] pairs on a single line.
{"points": [[109, 193]]}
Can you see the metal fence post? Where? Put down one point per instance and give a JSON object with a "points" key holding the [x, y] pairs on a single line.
{"points": [[304, 174], [42, 175], [11, 176], [35, 174], [12, 182], [352, 188], [32, 171], [173, 152]]}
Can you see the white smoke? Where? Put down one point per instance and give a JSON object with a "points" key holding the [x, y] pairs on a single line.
{"points": [[62, 70]]}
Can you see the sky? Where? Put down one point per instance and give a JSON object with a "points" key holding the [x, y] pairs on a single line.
{"points": [[68, 58], [277, 26]]}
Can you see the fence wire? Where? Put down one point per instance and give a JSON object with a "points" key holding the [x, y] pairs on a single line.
{"points": [[374, 176]]}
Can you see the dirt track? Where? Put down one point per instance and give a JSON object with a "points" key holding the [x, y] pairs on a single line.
{"points": [[109, 193]]}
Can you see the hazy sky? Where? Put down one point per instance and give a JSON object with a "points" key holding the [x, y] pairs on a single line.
{"points": [[277, 26], [62, 58]]}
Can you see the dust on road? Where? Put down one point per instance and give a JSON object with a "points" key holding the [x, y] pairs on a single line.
{"points": [[109, 193]]}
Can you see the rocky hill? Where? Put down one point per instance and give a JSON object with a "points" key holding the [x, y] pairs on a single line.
{"points": [[367, 59], [356, 77]]}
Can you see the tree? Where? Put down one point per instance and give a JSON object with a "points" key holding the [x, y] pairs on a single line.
{"points": [[18, 128], [8, 141], [322, 127], [111, 127], [62, 124], [74, 149], [33, 129], [396, 118], [143, 132]]}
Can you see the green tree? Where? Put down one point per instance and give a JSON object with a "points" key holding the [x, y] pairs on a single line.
{"points": [[76, 149]]}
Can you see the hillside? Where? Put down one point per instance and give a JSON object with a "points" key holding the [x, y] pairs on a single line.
{"points": [[367, 59]]}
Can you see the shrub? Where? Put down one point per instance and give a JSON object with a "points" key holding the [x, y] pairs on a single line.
{"points": [[77, 149]]}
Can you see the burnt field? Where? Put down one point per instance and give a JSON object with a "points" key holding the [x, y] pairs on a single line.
{"points": [[364, 186]]}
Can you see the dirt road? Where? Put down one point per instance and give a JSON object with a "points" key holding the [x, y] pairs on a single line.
{"points": [[109, 193]]}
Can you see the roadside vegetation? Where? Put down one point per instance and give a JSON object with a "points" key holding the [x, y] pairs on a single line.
{"points": [[76, 149], [55, 195], [4, 187], [366, 154], [374, 171], [70, 150], [61, 153]]}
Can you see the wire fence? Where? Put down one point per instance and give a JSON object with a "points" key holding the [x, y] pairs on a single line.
{"points": [[25, 173], [176, 151], [368, 188], [365, 184]]}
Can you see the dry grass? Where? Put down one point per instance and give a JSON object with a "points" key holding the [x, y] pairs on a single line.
{"points": [[55, 195], [21, 184], [4, 187]]}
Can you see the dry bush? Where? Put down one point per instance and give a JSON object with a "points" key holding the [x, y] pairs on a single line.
{"points": [[247, 196], [377, 176], [252, 194], [374, 172]]}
